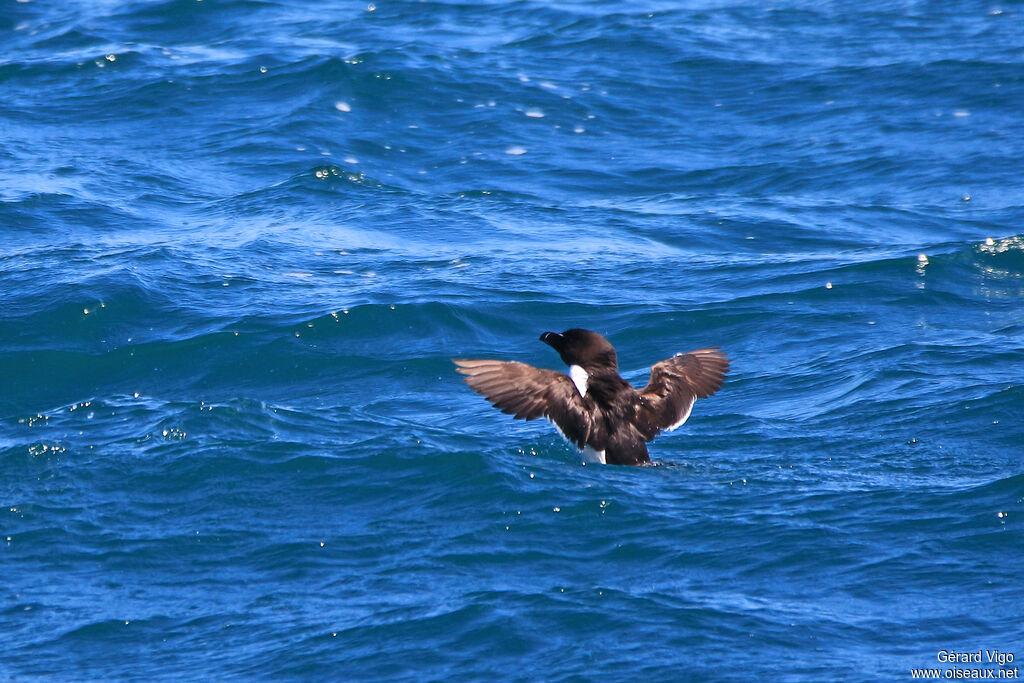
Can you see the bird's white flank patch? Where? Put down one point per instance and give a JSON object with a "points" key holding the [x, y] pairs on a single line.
{"points": [[590, 455], [579, 378]]}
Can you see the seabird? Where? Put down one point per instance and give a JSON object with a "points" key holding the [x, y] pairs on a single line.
{"points": [[592, 407]]}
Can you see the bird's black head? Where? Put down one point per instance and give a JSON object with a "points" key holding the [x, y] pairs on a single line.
{"points": [[587, 349]]}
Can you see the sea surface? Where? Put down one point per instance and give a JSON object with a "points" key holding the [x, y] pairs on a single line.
{"points": [[242, 240]]}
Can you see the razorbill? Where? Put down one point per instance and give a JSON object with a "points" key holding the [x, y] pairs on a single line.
{"points": [[592, 407]]}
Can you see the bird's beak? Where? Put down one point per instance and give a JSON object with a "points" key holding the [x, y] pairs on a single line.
{"points": [[552, 339]]}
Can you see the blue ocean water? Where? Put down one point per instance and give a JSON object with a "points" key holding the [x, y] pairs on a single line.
{"points": [[242, 240]]}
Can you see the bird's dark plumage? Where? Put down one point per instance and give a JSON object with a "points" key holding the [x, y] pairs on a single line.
{"points": [[593, 407]]}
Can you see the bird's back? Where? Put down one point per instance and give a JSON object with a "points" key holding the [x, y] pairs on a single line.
{"points": [[615, 433]]}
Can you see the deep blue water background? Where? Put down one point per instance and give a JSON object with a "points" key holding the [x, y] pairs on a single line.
{"points": [[241, 241]]}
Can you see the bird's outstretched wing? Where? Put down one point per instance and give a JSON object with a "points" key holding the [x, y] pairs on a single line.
{"points": [[528, 393], [675, 384]]}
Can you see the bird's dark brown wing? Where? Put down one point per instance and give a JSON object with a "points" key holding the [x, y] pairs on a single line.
{"points": [[666, 401], [527, 393]]}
